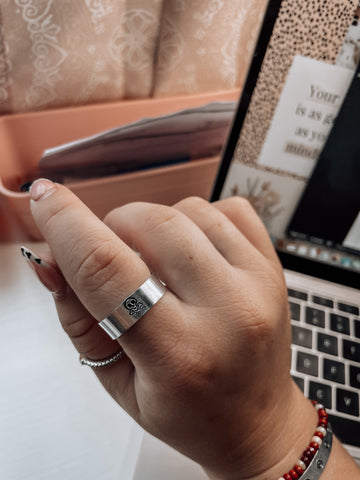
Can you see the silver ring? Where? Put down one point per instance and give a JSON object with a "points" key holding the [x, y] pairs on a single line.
{"points": [[133, 308], [101, 363]]}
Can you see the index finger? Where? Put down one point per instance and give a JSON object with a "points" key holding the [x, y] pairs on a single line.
{"points": [[90, 255]]}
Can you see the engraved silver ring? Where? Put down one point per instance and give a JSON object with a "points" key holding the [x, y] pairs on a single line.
{"points": [[133, 308]]}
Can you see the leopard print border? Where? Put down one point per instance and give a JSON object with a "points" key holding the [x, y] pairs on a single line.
{"points": [[315, 29]]}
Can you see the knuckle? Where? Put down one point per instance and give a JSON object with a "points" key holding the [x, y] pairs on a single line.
{"points": [[111, 219], [258, 329], [77, 328], [96, 268], [202, 372], [261, 330], [191, 203], [197, 369], [54, 213], [161, 219], [240, 203]]}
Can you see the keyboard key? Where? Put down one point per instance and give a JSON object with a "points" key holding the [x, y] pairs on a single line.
{"points": [[294, 311], [301, 336], [315, 317], [296, 294], [347, 402], [344, 307], [351, 350], [325, 302], [357, 328], [320, 393], [339, 323], [299, 382], [355, 376], [306, 363], [347, 431], [334, 371], [327, 344]]}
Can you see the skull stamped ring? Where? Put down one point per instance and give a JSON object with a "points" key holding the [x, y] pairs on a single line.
{"points": [[133, 308]]}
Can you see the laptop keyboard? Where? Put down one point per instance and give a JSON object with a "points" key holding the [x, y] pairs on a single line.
{"points": [[326, 357]]}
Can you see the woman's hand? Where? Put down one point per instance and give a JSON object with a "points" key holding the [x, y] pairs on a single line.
{"points": [[207, 368]]}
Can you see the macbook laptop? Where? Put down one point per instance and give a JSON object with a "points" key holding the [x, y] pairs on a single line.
{"points": [[294, 152]]}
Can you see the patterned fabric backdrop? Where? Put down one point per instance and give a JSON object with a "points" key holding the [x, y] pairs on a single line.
{"points": [[55, 53]]}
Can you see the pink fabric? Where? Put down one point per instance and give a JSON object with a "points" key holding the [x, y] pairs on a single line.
{"points": [[55, 53]]}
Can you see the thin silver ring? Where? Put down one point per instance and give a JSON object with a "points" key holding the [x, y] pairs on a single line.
{"points": [[133, 308], [101, 363]]}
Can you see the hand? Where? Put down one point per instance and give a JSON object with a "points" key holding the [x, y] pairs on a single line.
{"points": [[207, 368]]}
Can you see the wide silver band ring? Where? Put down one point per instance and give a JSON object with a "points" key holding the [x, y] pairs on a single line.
{"points": [[133, 308]]}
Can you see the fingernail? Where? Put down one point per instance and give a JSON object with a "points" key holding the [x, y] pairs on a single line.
{"points": [[48, 275], [42, 188]]}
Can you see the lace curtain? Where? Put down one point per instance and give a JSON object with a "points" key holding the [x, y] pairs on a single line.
{"points": [[55, 53]]}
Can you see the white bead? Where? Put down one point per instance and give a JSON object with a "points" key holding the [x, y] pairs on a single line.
{"points": [[318, 406], [321, 430], [317, 440], [281, 478], [301, 464]]}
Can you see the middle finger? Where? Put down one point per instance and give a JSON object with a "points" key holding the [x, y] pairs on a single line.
{"points": [[173, 247]]}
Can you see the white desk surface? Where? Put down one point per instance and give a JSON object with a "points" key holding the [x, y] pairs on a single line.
{"points": [[56, 421]]}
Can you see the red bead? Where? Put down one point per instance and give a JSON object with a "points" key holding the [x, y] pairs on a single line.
{"points": [[314, 445], [306, 460], [319, 434], [314, 402], [299, 470], [322, 413], [309, 452], [323, 422], [287, 476], [293, 475]]}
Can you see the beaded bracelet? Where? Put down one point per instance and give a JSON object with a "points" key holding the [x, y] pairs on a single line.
{"points": [[309, 467]]}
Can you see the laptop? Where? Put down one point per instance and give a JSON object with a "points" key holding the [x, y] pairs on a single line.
{"points": [[294, 152]]}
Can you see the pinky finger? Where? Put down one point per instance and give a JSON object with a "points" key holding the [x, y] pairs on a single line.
{"points": [[81, 327], [92, 342], [83, 330]]}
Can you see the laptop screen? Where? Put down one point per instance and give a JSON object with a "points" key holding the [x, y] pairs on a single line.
{"points": [[294, 146], [329, 210]]}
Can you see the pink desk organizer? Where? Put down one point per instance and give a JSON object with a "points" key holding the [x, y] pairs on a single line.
{"points": [[24, 137]]}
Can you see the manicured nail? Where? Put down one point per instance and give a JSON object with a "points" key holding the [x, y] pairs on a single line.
{"points": [[33, 258], [48, 275], [42, 188]]}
